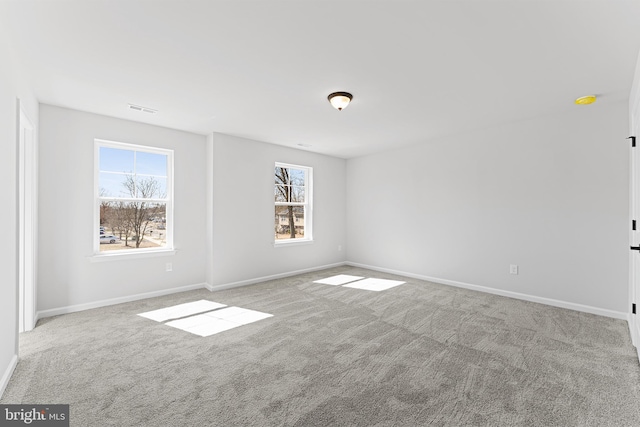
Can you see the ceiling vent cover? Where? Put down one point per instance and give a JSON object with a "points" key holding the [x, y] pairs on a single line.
{"points": [[143, 109]]}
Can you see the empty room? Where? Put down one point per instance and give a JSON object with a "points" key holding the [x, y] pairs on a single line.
{"points": [[320, 213]]}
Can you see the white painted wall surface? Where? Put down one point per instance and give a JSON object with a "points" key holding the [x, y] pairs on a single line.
{"points": [[243, 211], [9, 287], [67, 277], [549, 194], [12, 89]]}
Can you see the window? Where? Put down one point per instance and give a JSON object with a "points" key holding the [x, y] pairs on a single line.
{"points": [[133, 198], [292, 193]]}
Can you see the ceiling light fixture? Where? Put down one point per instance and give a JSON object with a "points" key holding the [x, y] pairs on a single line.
{"points": [[586, 100], [340, 100]]}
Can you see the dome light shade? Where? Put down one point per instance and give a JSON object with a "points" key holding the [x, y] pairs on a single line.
{"points": [[585, 100], [340, 100]]}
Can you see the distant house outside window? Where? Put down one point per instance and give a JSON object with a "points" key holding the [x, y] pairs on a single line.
{"points": [[292, 195], [134, 203]]}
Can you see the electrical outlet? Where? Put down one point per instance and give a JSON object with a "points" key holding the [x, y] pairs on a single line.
{"points": [[513, 269], [169, 266], [339, 248]]}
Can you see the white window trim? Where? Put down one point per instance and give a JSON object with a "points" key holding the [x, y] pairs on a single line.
{"points": [[131, 253], [308, 211], [292, 242]]}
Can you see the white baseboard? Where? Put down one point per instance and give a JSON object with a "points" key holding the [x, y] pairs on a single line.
{"points": [[7, 374], [103, 303], [635, 335], [532, 298], [113, 301], [272, 277], [510, 294]]}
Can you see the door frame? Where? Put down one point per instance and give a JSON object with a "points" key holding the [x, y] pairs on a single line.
{"points": [[27, 221], [634, 213]]}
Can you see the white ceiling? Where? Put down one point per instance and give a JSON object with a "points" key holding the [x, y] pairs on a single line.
{"points": [[263, 69]]}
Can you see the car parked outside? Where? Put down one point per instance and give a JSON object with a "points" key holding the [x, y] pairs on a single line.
{"points": [[108, 238]]}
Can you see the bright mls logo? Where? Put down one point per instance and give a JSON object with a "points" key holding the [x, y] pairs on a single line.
{"points": [[34, 415]]}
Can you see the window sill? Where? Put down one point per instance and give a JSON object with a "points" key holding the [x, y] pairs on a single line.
{"points": [[292, 242], [102, 257]]}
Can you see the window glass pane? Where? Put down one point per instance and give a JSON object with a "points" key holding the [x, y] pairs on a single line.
{"points": [[281, 193], [282, 176], [296, 176], [289, 222], [128, 186], [297, 194], [150, 187], [113, 185], [116, 160], [162, 187], [130, 225], [151, 164]]}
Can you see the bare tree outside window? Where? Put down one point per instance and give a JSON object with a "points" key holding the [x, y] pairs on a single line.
{"points": [[114, 218], [140, 214]]}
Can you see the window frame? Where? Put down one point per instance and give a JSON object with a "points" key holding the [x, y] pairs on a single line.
{"points": [[168, 201], [307, 205]]}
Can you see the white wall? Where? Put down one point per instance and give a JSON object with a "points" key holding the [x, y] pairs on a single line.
{"points": [[8, 275], [67, 277], [550, 195], [243, 211], [12, 89]]}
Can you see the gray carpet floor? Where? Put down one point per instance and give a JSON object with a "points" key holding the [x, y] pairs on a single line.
{"points": [[415, 355]]}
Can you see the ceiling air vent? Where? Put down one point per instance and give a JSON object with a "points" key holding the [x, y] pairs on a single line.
{"points": [[143, 109]]}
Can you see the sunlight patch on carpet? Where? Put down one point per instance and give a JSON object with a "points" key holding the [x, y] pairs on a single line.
{"points": [[205, 318], [242, 316], [202, 325], [369, 284], [338, 280], [376, 285], [211, 323], [181, 310]]}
